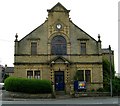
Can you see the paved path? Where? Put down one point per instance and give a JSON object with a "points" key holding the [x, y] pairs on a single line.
{"points": [[86, 101], [70, 101]]}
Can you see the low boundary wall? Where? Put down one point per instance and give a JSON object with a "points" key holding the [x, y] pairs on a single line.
{"points": [[91, 94]]}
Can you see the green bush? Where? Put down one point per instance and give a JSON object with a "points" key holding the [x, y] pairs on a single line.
{"points": [[100, 90], [116, 86], [92, 90], [28, 85]]}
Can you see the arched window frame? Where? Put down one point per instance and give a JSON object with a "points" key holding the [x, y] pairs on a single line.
{"points": [[58, 45]]}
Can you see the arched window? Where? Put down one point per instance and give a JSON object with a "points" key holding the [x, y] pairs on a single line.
{"points": [[58, 45]]}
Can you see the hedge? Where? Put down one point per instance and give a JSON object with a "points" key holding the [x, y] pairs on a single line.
{"points": [[27, 85]]}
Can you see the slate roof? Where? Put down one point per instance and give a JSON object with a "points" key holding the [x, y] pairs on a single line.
{"points": [[9, 70], [106, 51]]}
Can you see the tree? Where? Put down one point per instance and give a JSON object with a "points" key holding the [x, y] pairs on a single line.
{"points": [[106, 74], [5, 76], [116, 86], [106, 78]]}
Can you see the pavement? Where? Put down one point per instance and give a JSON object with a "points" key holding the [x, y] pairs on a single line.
{"points": [[65, 100]]}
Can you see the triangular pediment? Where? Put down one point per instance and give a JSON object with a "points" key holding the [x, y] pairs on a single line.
{"points": [[58, 7], [59, 60]]}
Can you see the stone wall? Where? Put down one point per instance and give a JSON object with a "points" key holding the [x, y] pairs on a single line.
{"points": [[42, 61]]}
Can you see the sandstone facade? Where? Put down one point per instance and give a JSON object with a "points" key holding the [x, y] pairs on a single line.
{"points": [[57, 49]]}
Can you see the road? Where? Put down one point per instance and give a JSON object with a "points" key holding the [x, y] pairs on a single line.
{"points": [[83, 101]]}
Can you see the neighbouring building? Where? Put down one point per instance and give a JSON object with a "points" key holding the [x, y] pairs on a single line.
{"points": [[2, 71], [57, 49], [117, 75], [9, 71]]}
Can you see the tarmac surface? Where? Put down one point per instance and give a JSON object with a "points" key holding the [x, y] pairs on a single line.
{"points": [[59, 101]]}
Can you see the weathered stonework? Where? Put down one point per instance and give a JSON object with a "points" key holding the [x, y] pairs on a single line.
{"points": [[48, 63]]}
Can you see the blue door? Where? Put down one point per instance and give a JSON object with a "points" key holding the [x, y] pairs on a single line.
{"points": [[59, 80]]}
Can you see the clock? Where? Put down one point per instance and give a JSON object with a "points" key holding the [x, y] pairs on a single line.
{"points": [[59, 26]]}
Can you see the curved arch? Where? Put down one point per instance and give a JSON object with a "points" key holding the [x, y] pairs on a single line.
{"points": [[58, 45], [61, 34]]}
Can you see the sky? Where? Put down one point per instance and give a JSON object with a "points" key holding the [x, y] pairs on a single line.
{"points": [[22, 16]]}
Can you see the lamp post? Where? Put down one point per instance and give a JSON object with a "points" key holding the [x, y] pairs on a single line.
{"points": [[111, 88]]}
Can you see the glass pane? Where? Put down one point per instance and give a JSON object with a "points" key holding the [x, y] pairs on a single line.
{"points": [[37, 74], [81, 75], [83, 48], [34, 48], [87, 76], [58, 45], [29, 74]]}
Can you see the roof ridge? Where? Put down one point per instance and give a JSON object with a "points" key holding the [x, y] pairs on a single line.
{"points": [[58, 4]]}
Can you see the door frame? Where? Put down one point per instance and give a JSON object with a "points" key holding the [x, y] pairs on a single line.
{"points": [[59, 73]]}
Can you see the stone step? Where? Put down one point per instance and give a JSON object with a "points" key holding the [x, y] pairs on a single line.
{"points": [[60, 92]]}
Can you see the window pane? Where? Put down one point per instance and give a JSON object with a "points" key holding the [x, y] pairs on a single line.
{"points": [[80, 74], [58, 45], [83, 48], [87, 75], [29, 74], [33, 48], [37, 74]]}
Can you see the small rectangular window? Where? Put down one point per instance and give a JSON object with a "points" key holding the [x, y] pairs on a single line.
{"points": [[88, 75], [33, 48], [81, 75], [83, 48], [29, 74], [37, 74]]}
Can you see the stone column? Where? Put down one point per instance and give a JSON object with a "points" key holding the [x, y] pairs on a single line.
{"points": [[99, 44], [16, 44], [69, 49], [71, 88]]}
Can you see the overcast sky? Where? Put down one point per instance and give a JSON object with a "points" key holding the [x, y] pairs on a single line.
{"points": [[22, 16]]}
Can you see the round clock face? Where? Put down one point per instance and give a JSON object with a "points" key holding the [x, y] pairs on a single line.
{"points": [[59, 26]]}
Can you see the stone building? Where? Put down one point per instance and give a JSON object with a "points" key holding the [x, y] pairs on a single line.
{"points": [[2, 71], [56, 50]]}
